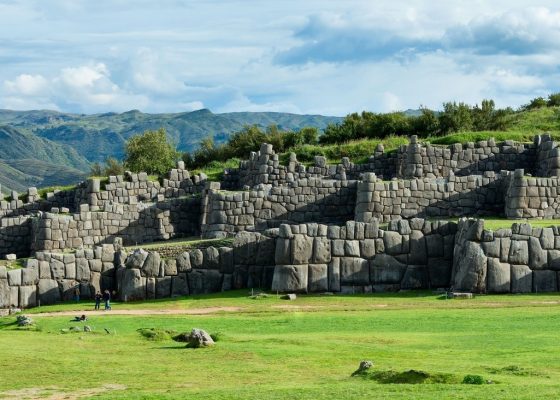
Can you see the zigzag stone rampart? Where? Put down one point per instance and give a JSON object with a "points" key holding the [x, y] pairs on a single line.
{"points": [[296, 228]]}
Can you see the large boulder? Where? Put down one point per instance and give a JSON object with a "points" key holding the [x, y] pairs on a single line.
{"points": [[183, 262], [133, 285], [537, 255], [470, 267], [226, 259], [282, 252], [321, 250], [290, 278], [163, 287], [439, 272], [27, 296], [302, 249], [48, 291], [211, 258], [199, 338], [204, 281], [318, 278], [519, 252], [521, 279], [418, 251], [68, 288], [544, 281], [151, 265], [499, 276], [180, 285], [354, 271], [334, 274], [393, 242], [4, 293], [136, 259], [386, 269], [83, 272], [415, 277]]}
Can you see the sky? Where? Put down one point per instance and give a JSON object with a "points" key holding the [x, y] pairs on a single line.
{"points": [[306, 57]]}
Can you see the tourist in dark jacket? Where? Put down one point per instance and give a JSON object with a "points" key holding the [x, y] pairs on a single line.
{"points": [[107, 299], [98, 298]]}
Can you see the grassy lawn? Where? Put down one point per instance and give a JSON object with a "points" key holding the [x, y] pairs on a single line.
{"points": [[304, 349]]}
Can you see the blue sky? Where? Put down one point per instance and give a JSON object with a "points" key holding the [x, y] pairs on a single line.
{"points": [[313, 56]]}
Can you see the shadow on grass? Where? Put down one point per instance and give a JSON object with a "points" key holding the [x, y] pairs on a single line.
{"points": [[176, 347], [411, 377]]}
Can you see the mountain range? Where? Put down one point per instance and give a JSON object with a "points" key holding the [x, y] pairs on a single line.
{"points": [[45, 148]]}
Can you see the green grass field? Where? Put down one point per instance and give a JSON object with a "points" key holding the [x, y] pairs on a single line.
{"points": [[304, 349]]}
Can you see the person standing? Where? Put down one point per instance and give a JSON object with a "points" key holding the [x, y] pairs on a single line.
{"points": [[77, 295], [98, 298], [107, 299]]}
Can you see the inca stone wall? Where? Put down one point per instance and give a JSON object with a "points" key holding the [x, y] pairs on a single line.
{"points": [[15, 235], [249, 263], [304, 200], [130, 206], [517, 260], [52, 277], [133, 223], [529, 197], [548, 156], [454, 196], [361, 258], [297, 229], [418, 160]]}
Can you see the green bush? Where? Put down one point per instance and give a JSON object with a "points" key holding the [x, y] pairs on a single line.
{"points": [[473, 380], [150, 152]]}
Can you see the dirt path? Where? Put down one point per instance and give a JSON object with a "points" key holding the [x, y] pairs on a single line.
{"points": [[52, 393], [188, 311]]}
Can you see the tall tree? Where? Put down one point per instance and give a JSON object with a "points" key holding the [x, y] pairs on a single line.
{"points": [[150, 152]]}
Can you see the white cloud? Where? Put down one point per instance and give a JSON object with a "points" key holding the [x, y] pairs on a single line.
{"points": [[27, 85], [84, 76], [338, 57]]}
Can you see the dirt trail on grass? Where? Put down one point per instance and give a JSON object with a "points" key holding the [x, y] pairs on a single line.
{"points": [[188, 311], [53, 393]]}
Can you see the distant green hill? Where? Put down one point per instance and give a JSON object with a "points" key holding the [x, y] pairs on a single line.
{"points": [[28, 160], [43, 148], [98, 136]]}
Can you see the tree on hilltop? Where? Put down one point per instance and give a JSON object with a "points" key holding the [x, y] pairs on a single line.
{"points": [[150, 152]]}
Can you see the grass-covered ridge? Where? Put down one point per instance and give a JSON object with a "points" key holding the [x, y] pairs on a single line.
{"points": [[305, 349]]}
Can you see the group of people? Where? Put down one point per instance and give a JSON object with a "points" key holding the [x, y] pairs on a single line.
{"points": [[106, 297]]}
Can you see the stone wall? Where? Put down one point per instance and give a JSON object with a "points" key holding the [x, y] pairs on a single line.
{"points": [[454, 196], [305, 200], [51, 277], [248, 263], [133, 223], [548, 156], [360, 258], [355, 257], [517, 260], [15, 235], [418, 160], [529, 197], [131, 206]]}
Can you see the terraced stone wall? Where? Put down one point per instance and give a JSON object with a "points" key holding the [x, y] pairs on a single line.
{"points": [[305, 200], [50, 277], [361, 258], [133, 223], [517, 260], [529, 197], [455, 196], [417, 160]]}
